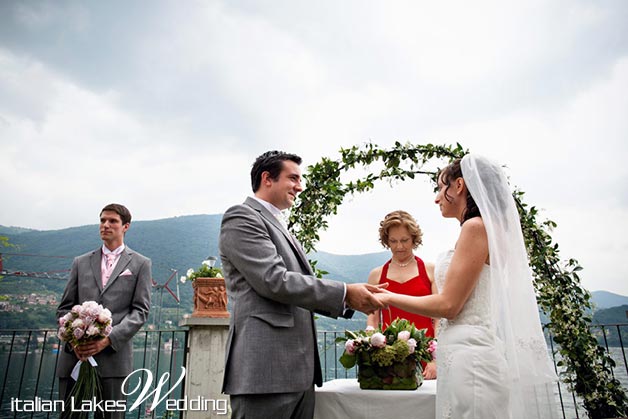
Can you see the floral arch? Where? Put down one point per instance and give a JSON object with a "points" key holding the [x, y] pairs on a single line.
{"points": [[587, 366]]}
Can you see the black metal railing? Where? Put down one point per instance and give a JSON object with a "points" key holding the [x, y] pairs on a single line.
{"points": [[610, 336], [28, 361]]}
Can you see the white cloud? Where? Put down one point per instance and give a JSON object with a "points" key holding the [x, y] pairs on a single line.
{"points": [[176, 102]]}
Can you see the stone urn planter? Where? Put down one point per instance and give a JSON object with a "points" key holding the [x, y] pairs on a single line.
{"points": [[210, 298]]}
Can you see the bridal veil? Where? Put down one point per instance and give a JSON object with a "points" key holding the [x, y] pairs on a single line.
{"points": [[513, 300]]}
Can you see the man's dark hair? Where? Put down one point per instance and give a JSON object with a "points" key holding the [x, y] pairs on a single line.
{"points": [[121, 210], [271, 162]]}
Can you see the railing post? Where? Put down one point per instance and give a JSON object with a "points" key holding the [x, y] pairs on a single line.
{"points": [[205, 367]]}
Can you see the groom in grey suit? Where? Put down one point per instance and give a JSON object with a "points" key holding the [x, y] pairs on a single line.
{"points": [[272, 358], [119, 279]]}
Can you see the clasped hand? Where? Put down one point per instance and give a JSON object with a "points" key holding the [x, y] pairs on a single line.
{"points": [[85, 350], [366, 297]]}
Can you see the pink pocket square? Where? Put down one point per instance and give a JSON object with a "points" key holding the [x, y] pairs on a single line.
{"points": [[126, 272]]}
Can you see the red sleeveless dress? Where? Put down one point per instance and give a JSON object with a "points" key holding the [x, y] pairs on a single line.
{"points": [[417, 286]]}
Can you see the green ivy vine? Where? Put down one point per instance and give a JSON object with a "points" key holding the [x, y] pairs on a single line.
{"points": [[587, 366]]}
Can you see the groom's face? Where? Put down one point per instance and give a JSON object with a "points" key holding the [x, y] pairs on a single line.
{"points": [[284, 190]]}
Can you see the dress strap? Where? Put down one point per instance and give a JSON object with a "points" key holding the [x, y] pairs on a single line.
{"points": [[423, 272], [383, 278]]}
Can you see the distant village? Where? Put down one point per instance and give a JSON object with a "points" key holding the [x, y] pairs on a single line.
{"points": [[18, 302]]}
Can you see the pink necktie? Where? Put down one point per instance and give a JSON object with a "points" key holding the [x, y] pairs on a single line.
{"points": [[111, 258]]}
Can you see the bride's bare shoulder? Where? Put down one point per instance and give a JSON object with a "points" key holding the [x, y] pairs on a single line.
{"points": [[472, 230]]}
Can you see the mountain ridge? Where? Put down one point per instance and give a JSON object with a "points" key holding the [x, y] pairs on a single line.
{"points": [[175, 243]]}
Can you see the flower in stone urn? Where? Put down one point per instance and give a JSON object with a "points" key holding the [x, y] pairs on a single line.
{"points": [[210, 296], [207, 270]]}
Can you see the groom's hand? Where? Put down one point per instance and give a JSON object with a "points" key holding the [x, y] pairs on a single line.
{"points": [[360, 297]]}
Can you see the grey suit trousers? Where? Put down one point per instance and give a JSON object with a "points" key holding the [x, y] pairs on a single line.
{"points": [[275, 405]]}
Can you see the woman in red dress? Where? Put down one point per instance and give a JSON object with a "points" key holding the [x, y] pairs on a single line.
{"points": [[405, 273]]}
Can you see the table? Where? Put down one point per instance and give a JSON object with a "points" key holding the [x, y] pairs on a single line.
{"points": [[343, 398]]}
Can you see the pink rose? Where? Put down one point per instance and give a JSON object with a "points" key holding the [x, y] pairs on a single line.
{"points": [[369, 329], [61, 333], [107, 330], [378, 340], [403, 335], [77, 309], [350, 346], [412, 345], [433, 345]]}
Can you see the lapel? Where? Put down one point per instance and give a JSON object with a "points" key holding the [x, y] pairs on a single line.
{"points": [[123, 262], [296, 246], [95, 262]]}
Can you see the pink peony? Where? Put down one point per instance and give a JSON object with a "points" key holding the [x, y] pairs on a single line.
{"points": [[412, 345], [61, 333], [77, 309], [92, 330], [104, 316], [78, 323], [350, 346], [378, 340], [369, 328], [78, 333], [403, 335], [107, 330]]}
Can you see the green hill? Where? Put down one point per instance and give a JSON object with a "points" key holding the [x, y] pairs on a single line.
{"points": [[177, 243]]}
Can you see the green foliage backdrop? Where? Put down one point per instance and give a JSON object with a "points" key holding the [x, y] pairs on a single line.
{"points": [[587, 366]]}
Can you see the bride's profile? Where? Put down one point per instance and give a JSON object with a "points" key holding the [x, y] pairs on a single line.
{"points": [[493, 360]]}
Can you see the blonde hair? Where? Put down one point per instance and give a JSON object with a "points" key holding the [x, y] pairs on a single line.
{"points": [[400, 218]]}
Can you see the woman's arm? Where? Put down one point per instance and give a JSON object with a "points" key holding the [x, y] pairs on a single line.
{"points": [[373, 279], [429, 268], [464, 270]]}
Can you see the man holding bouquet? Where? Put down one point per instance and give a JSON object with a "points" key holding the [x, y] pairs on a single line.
{"points": [[119, 279]]}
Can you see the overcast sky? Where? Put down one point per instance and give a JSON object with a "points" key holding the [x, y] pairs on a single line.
{"points": [[164, 105]]}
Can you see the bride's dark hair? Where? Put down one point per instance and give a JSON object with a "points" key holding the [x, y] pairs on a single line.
{"points": [[453, 172]]}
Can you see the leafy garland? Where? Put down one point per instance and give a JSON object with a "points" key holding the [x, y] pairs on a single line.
{"points": [[588, 367]]}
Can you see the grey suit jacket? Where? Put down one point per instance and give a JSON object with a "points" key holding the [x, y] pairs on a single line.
{"points": [[272, 345], [126, 296]]}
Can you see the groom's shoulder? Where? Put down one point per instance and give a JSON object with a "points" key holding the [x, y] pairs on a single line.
{"points": [[240, 212]]}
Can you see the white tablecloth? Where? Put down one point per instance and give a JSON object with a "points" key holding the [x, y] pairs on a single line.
{"points": [[343, 399]]}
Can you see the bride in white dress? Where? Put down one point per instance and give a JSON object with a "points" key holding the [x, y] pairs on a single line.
{"points": [[492, 358]]}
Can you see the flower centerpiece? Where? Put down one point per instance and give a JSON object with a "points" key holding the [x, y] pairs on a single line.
{"points": [[389, 359], [87, 322], [210, 295]]}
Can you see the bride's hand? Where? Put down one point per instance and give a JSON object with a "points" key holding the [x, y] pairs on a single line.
{"points": [[382, 296]]}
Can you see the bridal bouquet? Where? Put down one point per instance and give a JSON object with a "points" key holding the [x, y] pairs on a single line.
{"points": [[87, 322], [389, 359]]}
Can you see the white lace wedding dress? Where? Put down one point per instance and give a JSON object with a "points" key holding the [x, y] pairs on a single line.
{"points": [[473, 377]]}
